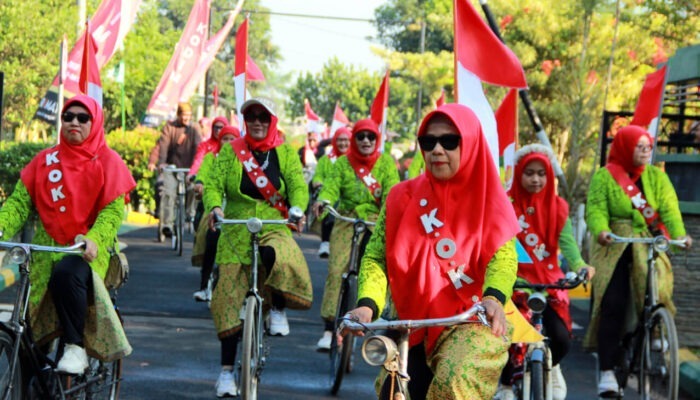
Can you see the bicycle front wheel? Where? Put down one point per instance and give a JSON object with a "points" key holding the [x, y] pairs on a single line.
{"points": [[658, 373], [536, 381], [9, 385], [180, 225], [341, 355], [103, 379], [250, 357]]}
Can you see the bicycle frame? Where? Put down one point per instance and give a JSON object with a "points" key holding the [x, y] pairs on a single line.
{"points": [[179, 174], [20, 330], [395, 359], [254, 358]]}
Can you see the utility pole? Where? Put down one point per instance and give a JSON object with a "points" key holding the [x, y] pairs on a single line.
{"points": [[206, 74], [420, 81], [82, 15]]}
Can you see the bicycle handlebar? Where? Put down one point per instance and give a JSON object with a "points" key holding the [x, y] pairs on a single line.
{"points": [[477, 310], [571, 281], [332, 211], [254, 224], [660, 243], [176, 169], [28, 247]]}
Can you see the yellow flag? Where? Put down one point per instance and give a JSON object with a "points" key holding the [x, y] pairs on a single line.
{"points": [[523, 332]]}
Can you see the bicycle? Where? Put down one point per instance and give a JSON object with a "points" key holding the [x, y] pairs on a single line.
{"points": [[392, 354], [651, 351], [180, 175], [341, 355], [253, 347], [27, 372], [531, 379]]}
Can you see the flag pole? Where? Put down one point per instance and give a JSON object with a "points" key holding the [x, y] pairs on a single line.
{"points": [[61, 78], [122, 72], [527, 103]]}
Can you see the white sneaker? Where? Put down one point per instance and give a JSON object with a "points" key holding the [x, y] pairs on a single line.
{"points": [[324, 343], [608, 382], [226, 385], [324, 250], [558, 384], [201, 295], [278, 323], [74, 360], [504, 393]]}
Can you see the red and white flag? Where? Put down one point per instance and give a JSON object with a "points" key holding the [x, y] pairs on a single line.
{"points": [[380, 106], [650, 103], [440, 100], [481, 57], [182, 65], [313, 121], [89, 81], [109, 25], [339, 120], [507, 122], [244, 70]]}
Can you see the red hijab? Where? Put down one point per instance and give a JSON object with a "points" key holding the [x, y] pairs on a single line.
{"points": [[70, 184], [358, 159], [622, 149], [270, 141], [551, 211], [475, 214], [343, 131], [213, 144]]}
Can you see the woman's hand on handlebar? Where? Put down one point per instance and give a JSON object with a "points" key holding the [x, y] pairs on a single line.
{"points": [[495, 315], [90, 251], [590, 271], [688, 241], [318, 208], [362, 315], [604, 238], [216, 211]]}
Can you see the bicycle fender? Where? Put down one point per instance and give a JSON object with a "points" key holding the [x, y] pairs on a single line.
{"points": [[537, 356]]}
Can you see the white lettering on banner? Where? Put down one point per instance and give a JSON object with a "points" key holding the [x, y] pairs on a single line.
{"points": [[275, 198], [175, 77], [369, 180], [531, 239], [202, 29], [188, 53], [523, 225], [446, 248], [52, 158], [250, 164], [638, 201], [55, 175], [100, 35], [261, 181], [195, 40], [457, 276], [429, 220], [56, 193], [540, 252]]}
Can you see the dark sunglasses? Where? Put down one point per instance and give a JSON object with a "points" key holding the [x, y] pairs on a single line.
{"points": [[83, 118], [264, 118], [448, 142], [366, 135]]}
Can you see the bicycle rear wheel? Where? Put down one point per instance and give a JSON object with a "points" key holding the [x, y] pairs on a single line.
{"points": [[658, 372], [16, 391], [341, 355], [251, 350]]}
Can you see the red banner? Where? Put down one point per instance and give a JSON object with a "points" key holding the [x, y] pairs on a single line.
{"points": [[182, 65], [108, 26]]}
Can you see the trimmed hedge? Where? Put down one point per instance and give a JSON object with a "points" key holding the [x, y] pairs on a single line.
{"points": [[133, 146]]}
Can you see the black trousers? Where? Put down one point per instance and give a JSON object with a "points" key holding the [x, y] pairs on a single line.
{"points": [[70, 284], [212, 240], [613, 312], [327, 228]]}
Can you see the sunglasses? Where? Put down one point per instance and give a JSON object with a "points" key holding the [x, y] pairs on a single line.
{"points": [[366, 135], [448, 142], [83, 118], [264, 118]]}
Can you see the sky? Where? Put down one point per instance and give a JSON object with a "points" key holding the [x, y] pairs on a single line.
{"points": [[306, 44]]}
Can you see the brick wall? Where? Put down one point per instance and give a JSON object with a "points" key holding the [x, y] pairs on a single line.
{"points": [[686, 293]]}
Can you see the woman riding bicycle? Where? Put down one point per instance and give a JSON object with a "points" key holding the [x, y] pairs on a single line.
{"points": [[340, 145], [204, 248], [632, 199], [545, 229], [443, 241], [360, 181], [258, 176], [77, 188]]}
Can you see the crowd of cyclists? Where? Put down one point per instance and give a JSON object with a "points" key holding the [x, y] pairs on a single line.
{"points": [[444, 240]]}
